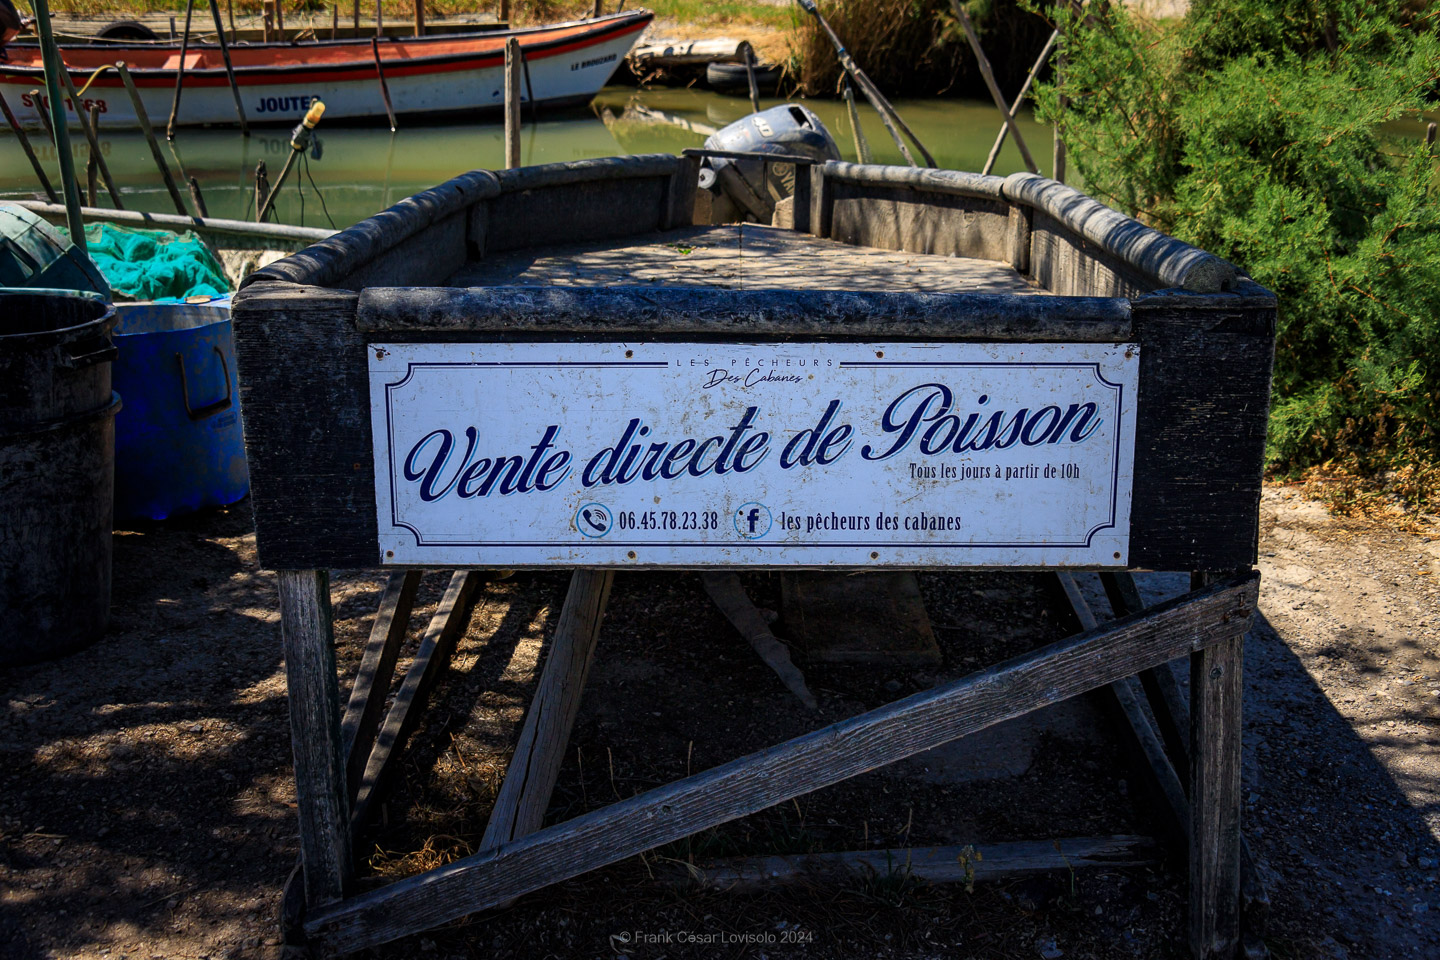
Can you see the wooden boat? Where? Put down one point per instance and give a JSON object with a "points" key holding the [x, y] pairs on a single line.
{"points": [[450, 75], [560, 307]]}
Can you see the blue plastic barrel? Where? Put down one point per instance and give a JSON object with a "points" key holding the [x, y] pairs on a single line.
{"points": [[179, 444]]}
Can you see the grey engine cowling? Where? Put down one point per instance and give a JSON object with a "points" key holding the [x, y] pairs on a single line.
{"points": [[786, 129]]}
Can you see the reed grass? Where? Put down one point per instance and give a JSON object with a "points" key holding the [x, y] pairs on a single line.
{"points": [[916, 47]]}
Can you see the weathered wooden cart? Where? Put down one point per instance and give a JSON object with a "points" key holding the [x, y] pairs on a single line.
{"points": [[517, 369]]}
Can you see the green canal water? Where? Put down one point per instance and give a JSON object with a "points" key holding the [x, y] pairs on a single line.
{"points": [[361, 171]]}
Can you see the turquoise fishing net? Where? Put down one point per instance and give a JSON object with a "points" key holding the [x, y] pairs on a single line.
{"points": [[150, 264]]}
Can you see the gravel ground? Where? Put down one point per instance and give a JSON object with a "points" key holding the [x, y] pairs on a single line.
{"points": [[146, 808]]}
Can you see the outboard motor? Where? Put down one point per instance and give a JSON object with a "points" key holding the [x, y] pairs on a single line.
{"points": [[787, 129]]}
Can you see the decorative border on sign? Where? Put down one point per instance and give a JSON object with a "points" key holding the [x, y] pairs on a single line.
{"points": [[1092, 366]]}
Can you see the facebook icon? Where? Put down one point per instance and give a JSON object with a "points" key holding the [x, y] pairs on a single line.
{"points": [[752, 520]]}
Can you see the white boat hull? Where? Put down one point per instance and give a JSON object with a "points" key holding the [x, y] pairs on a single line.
{"points": [[558, 77]]}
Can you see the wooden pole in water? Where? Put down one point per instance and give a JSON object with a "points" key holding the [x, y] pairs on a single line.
{"points": [[24, 140], [43, 114], [504, 16], [334, 20], [262, 190], [230, 14], [419, 18], [229, 68], [512, 103], [1430, 136], [379, 19], [750, 74], [280, 20], [143, 119], [1058, 164], [384, 87], [267, 21], [888, 115], [89, 132], [92, 165], [180, 72], [989, 75], [196, 196], [1019, 101], [862, 146], [355, 12], [54, 69]]}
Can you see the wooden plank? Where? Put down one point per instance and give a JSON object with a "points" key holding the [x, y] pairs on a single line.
{"points": [[304, 386], [1204, 406], [377, 668], [1170, 262], [1064, 263], [1019, 254], [512, 103], [1126, 698], [719, 314], [920, 722], [800, 201], [1167, 703], [948, 864], [775, 258], [952, 225], [679, 204], [314, 694], [728, 594], [530, 778], [1200, 431], [581, 200], [433, 655], [1216, 690], [1172, 717], [329, 261], [955, 183], [821, 202]]}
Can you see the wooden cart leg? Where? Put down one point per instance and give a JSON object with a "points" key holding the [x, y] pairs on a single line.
{"points": [[377, 669], [314, 693], [1215, 698], [530, 779]]}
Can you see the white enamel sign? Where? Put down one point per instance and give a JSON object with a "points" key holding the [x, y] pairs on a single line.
{"points": [[805, 454]]}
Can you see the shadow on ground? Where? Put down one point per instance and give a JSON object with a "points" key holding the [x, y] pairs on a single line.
{"points": [[147, 808]]}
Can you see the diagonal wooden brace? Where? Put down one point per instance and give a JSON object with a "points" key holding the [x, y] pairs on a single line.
{"points": [[816, 760], [530, 779], [446, 626]]}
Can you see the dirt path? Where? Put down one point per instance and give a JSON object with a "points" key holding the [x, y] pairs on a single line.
{"points": [[146, 808]]}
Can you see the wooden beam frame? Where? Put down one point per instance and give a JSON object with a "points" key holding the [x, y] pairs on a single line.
{"points": [[1169, 764], [436, 646], [314, 694], [535, 766], [948, 864], [377, 669], [1193, 623]]}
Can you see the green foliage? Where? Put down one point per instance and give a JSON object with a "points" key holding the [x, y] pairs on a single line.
{"points": [[1283, 135]]}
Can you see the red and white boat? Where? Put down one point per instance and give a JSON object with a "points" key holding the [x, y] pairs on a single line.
{"points": [[447, 75]]}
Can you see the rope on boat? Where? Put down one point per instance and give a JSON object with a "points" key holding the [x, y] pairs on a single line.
{"points": [[81, 92]]}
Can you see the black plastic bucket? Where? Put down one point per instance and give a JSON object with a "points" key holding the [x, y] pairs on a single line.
{"points": [[57, 471]]}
